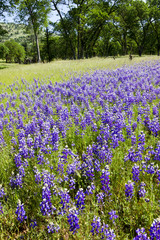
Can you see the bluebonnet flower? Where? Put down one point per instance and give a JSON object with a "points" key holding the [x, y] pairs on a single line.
{"points": [[1, 208], [107, 233], [46, 205], [96, 225], [141, 140], [135, 172], [155, 230], [129, 190], [16, 181], [150, 169], [80, 197], [100, 197], [90, 189], [2, 192], [141, 234], [72, 183], [134, 126], [157, 152], [33, 223], [158, 175], [105, 181], [133, 139], [73, 221], [113, 215], [142, 191], [20, 212], [52, 228], [65, 199], [37, 175], [154, 126], [129, 131]]}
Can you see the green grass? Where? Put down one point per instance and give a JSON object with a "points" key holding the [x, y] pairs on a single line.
{"points": [[59, 69]]}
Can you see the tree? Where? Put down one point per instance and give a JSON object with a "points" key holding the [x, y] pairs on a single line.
{"points": [[13, 52], [3, 51], [34, 12], [154, 6], [139, 27]]}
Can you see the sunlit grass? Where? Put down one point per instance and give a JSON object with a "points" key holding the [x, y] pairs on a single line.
{"points": [[62, 69]]}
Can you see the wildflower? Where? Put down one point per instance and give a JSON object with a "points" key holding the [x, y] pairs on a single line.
{"points": [[96, 225], [1, 209], [53, 228], [141, 234], [33, 223], [113, 215], [155, 230], [129, 189], [20, 212], [80, 197], [135, 172], [142, 191], [73, 221], [105, 181], [107, 233]]}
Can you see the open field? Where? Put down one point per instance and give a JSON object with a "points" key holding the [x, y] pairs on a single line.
{"points": [[80, 158], [54, 71]]}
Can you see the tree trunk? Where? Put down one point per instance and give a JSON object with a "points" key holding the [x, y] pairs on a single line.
{"points": [[37, 46], [47, 41]]}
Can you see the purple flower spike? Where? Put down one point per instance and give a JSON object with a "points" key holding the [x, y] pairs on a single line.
{"points": [[105, 181], [52, 228], [141, 234], [73, 221], [20, 212], [129, 190], [80, 197], [155, 230], [1, 208], [96, 225], [113, 215]]}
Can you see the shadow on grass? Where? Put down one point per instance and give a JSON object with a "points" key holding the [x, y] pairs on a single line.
{"points": [[3, 66]]}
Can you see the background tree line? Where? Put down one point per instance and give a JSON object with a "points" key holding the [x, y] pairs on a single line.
{"points": [[88, 28]]}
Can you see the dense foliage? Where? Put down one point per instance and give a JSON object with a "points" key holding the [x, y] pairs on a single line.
{"points": [[11, 51], [81, 159]]}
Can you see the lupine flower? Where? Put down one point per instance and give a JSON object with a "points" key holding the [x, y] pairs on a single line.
{"points": [[65, 199], [113, 215], [105, 181], [1, 208], [2, 192], [155, 230], [33, 223], [96, 225], [100, 197], [129, 190], [141, 235], [73, 221], [80, 197], [46, 205], [107, 233], [142, 191], [135, 172], [20, 212], [52, 228]]}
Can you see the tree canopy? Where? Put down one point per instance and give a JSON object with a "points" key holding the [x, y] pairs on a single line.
{"points": [[91, 27]]}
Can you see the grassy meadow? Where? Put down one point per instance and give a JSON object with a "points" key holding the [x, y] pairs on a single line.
{"points": [[80, 149], [57, 70]]}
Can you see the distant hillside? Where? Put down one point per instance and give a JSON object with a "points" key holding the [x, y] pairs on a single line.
{"points": [[17, 32]]}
